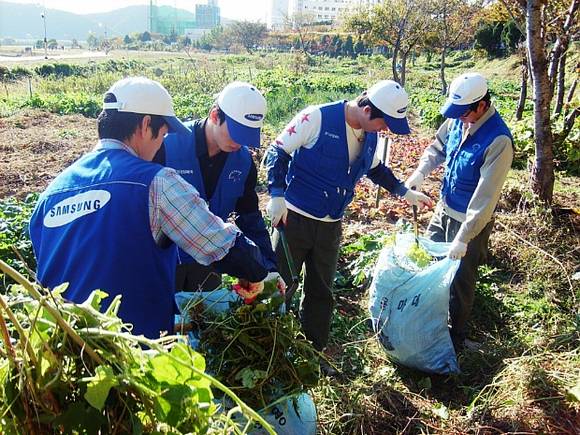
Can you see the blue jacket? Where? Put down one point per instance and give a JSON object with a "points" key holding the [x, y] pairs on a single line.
{"points": [[181, 153], [91, 229], [463, 162], [320, 180]]}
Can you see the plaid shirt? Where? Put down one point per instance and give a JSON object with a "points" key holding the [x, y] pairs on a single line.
{"points": [[177, 212]]}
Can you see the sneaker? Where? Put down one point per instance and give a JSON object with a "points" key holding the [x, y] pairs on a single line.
{"points": [[327, 369]]}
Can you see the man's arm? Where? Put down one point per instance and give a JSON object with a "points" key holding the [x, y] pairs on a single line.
{"points": [[302, 131], [493, 172], [251, 222], [434, 154], [177, 213]]}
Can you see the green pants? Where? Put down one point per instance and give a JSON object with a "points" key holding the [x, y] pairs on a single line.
{"points": [[443, 228], [314, 245]]}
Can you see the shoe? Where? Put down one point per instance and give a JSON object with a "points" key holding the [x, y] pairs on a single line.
{"points": [[327, 369], [471, 345]]}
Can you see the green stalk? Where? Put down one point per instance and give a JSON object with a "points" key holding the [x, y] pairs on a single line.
{"points": [[153, 344], [20, 279]]}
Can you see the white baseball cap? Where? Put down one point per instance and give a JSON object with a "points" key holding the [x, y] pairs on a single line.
{"points": [[145, 96], [245, 109], [464, 90], [391, 99]]}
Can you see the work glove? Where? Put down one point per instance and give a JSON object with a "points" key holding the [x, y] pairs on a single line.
{"points": [[277, 210], [415, 181], [279, 281], [248, 291], [417, 198], [457, 250]]}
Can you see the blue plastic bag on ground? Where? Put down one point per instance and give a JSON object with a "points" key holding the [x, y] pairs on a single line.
{"points": [[292, 416], [409, 306]]}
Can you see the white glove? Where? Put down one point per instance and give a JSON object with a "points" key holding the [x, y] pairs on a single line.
{"points": [[457, 250], [277, 210], [280, 282], [417, 198], [415, 180]]}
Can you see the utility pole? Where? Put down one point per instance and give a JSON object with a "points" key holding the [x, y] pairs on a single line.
{"points": [[43, 15]]}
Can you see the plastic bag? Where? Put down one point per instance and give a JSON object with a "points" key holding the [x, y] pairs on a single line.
{"points": [[409, 306], [292, 416]]}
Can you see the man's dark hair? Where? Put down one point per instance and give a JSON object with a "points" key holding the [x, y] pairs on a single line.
{"points": [[220, 113], [362, 101], [486, 98], [112, 124]]}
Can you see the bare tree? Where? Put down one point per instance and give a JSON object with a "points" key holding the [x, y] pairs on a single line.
{"points": [[247, 33], [301, 23], [450, 20]]}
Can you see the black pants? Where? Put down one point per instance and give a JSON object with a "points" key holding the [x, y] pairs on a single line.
{"points": [[443, 228], [315, 245], [193, 277]]}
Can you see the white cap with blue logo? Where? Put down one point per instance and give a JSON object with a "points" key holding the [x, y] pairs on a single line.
{"points": [[145, 96], [463, 92], [245, 109], [391, 98]]}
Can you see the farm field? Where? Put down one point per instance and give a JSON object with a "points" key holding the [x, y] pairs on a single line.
{"points": [[525, 375]]}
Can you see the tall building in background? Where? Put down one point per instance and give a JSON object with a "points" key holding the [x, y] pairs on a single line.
{"points": [[207, 16], [277, 13], [325, 10]]}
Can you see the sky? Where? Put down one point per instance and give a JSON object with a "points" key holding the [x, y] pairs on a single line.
{"points": [[252, 10]]}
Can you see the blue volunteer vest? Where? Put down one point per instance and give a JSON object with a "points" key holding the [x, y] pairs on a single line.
{"points": [[463, 162], [91, 229], [181, 155], [320, 180]]}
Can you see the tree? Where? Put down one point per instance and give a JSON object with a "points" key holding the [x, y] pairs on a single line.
{"points": [[127, 40], [397, 24], [145, 37], [52, 44], [543, 66], [249, 34], [92, 41], [451, 21], [301, 24], [348, 46]]}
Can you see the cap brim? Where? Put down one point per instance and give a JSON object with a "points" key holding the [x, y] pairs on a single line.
{"points": [[453, 111], [397, 125], [175, 125], [242, 134]]}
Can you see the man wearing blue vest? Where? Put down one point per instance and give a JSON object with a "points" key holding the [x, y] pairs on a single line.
{"points": [[213, 156], [313, 167], [477, 148], [111, 220]]}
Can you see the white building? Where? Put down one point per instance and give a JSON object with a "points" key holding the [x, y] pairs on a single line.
{"points": [[277, 14], [324, 10]]}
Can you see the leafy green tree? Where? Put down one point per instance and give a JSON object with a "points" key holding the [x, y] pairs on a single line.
{"points": [[359, 47], [247, 33], [488, 38], [127, 40], [92, 41], [348, 46], [145, 37], [52, 44]]}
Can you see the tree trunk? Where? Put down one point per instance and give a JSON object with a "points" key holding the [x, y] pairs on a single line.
{"points": [[560, 85], [570, 95], [523, 86], [403, 68], [394, 63], [442, 72], [542, 175]]}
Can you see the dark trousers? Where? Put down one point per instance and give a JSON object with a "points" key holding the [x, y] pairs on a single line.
{"points": [[315, 245], [193, 277], [443, 228]]}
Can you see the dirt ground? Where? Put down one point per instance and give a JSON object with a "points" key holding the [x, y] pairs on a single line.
{"points": [[35, 146]]}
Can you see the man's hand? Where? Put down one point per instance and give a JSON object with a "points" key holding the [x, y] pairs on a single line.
{"points": [[457, 250], [275, 276], [248, 291], [417, 198], [277, 210], [415, 181]]}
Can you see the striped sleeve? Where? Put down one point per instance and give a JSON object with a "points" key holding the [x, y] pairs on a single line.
{"points": [[177, 212]]}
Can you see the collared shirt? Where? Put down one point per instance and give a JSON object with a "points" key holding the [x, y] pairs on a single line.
{"points": [[179, 214], [497, 162], [212, 167]]}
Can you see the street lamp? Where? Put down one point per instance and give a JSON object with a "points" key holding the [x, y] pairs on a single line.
{"points": [[43, 15]]}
